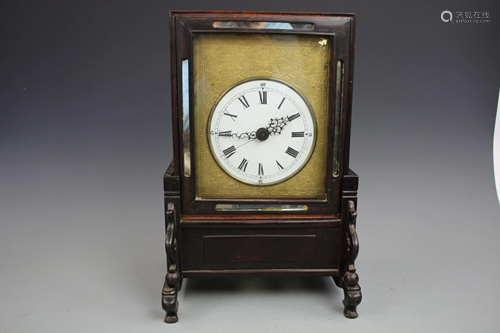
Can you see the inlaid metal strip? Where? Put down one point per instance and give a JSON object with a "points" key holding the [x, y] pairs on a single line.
{"points": [[186, 133]]}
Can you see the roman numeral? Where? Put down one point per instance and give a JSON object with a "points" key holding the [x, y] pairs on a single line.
{"points": [[229, 151], [231, 115], [226, 133], [292, 152], [279, 165], [263, 97], [293, 117], [244, 101], [261, 170], [243, 165], [297, 134], [281, 103]]}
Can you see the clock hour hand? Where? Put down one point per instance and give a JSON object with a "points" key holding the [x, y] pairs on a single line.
{"points": [[276, 125]]}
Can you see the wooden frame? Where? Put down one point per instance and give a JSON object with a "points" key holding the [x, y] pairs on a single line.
{"points": [[201, 241]]}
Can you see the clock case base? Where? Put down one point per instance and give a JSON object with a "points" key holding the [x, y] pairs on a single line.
{"points": [[263, 245]]}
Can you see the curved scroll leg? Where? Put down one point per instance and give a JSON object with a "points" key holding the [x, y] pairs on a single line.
{"points": [[349, 282], [172, 283]]}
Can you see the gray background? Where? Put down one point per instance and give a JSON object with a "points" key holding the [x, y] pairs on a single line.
{"points": [[85, 138]]}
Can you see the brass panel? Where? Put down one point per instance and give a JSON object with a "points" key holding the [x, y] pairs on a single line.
{"points": [[222, 60]]}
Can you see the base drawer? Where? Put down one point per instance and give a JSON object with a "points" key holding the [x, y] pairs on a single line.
{"points": [[260, 248]]}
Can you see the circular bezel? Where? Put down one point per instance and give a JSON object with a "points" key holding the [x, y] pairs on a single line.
{"points": [[306, 108]]}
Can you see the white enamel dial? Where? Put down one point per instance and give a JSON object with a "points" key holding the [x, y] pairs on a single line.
{"points": [[262, 132]]}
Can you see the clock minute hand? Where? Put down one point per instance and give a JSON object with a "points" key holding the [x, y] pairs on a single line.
{"points": [[244, 135], [275, 126]]}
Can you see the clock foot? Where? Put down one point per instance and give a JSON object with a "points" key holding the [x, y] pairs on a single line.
{"points": [[352, 294], [173, 279], [170, 303], [349, 282]]}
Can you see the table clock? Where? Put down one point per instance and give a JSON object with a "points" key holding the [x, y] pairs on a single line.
{"points": [[260, 183]]}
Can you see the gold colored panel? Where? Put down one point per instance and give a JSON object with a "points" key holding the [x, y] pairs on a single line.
{"points": [[222, 60]]}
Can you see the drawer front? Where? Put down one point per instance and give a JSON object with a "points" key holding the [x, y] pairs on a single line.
{"points": [[260, 248]]}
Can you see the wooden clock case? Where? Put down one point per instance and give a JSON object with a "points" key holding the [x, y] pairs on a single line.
{"points": [[204, 242]]}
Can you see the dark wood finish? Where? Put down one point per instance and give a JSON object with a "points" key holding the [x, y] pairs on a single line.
{"points": [[201, 241], [338, 27], [280, 247], [256, 249], [172, 283], [173, 279], [350, 279]]}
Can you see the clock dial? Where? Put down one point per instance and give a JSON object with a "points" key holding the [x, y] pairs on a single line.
{"points": [[262, 132]]}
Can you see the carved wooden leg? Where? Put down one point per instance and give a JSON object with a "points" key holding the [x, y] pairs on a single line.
{"points": [[172, 283], [169, 303], [352, 294], [349, 282]]}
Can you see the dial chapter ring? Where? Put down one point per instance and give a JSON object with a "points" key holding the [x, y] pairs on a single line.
{"points": [[262, 131]]}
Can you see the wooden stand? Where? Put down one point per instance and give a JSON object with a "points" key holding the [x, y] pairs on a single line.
{"points": [[261, 245]]}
